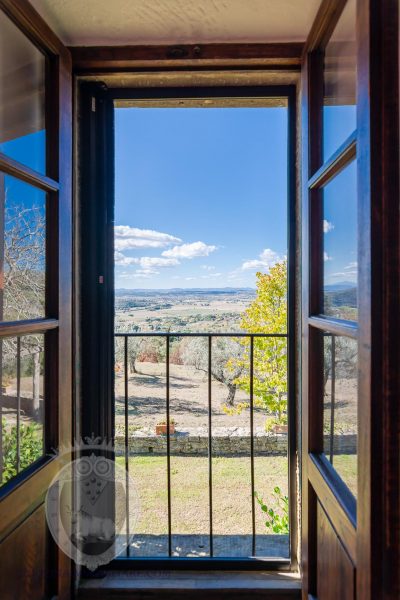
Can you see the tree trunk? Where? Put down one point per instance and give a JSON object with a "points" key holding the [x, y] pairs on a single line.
{"points": [[231, 394], [132, 365], [36, 383]]}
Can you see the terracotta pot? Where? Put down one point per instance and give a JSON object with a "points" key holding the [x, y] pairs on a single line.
{"points": [[162, 429], [280, 428]]}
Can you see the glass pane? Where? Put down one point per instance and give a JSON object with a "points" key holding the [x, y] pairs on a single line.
{"points": [[340, 406], [22, 97], [339, 114], [340, 245], [22, 252], [271, 447], [22, 403], [146, 370], [190, 272]]}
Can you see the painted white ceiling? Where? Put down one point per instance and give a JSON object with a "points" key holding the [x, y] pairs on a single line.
{"points": [[124, 22]]}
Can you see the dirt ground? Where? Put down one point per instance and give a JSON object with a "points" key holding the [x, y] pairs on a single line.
{"points": [[188, 399]]}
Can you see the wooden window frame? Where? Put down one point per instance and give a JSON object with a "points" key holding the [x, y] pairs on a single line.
{"points": [[56, 325], [319, 478], [104, 295], [374, 541]]}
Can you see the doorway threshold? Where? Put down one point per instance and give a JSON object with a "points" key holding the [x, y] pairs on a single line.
{"points": [[173, 584]]}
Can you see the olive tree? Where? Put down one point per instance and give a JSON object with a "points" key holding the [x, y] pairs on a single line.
{"points": [[226, 363]]}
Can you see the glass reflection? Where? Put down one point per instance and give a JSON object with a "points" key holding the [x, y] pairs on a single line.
{"points": [[340, 245], [340, 406], [22, 97], [22, 250], [339, 115], [21, 403]]}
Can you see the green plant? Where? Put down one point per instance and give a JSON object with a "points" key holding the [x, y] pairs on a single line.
{"points": [[278, 516], [31, 448], [164, 422]]}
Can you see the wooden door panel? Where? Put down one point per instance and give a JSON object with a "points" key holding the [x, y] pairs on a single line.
{"points": [[23, 554], [350, 529], [31, 565], [329, 536], [335, 571]]}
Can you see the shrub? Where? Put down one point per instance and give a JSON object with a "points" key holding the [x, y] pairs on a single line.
{"points": [[278, 517], [31, 448]]}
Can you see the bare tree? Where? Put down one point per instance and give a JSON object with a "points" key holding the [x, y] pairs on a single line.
{"points": [[24, 283], [345, 358], [225, 364]]}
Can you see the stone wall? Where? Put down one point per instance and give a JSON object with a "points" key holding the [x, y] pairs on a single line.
{"points": [[226, 441]]}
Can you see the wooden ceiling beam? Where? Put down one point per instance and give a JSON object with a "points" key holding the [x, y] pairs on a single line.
{"points": [[95, 59]]}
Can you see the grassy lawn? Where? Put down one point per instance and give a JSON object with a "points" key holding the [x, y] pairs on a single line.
{"points": [[189, 492], [231, 491], [346, 466]]}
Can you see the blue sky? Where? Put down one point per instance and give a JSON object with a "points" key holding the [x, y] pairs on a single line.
{"points": [[200, 195], [29, 150], [340, 227]]}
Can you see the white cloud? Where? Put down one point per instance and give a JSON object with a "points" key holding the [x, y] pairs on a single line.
{"points": [[328, 226], [190, 251], [139, 274], [351, 266], [157, 261], [349, 272], [350, 275], [327, 257], [145, 262], [266, 260], [146, 272], [127, 238], [121, 259], [207, 267]]}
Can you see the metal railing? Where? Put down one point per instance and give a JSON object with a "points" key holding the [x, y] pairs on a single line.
{"points": [[209, 336]]}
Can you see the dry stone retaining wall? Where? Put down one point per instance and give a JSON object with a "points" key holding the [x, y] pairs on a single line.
{"points": [[226, 441]]}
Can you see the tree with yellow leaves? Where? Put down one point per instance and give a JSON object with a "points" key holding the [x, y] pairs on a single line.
{"points": [[267, 314]]}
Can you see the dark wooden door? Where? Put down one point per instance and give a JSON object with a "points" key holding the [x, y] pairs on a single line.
{"points": [[350, 215], [35, 296]]}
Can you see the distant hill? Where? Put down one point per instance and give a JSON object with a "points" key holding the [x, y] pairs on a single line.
{"points": [[338, 287], [181, 291], [341, 294]]}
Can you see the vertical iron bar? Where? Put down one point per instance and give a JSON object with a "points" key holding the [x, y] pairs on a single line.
{"points": [[126, 445], [168, 449], [18, 404], [253, 513], [210, 446], [333, 391], [2, 209]]}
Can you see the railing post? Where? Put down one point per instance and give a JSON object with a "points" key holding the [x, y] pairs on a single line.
{"points": [[168, 447], [18, 404], [253, 511], [210, 490], [126, 445], [333, 391]]}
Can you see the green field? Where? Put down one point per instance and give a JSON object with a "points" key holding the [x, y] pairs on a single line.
{"points": [[189, 491]]}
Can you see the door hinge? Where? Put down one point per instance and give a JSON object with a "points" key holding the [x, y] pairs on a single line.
{"points": [[93, 104]]}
